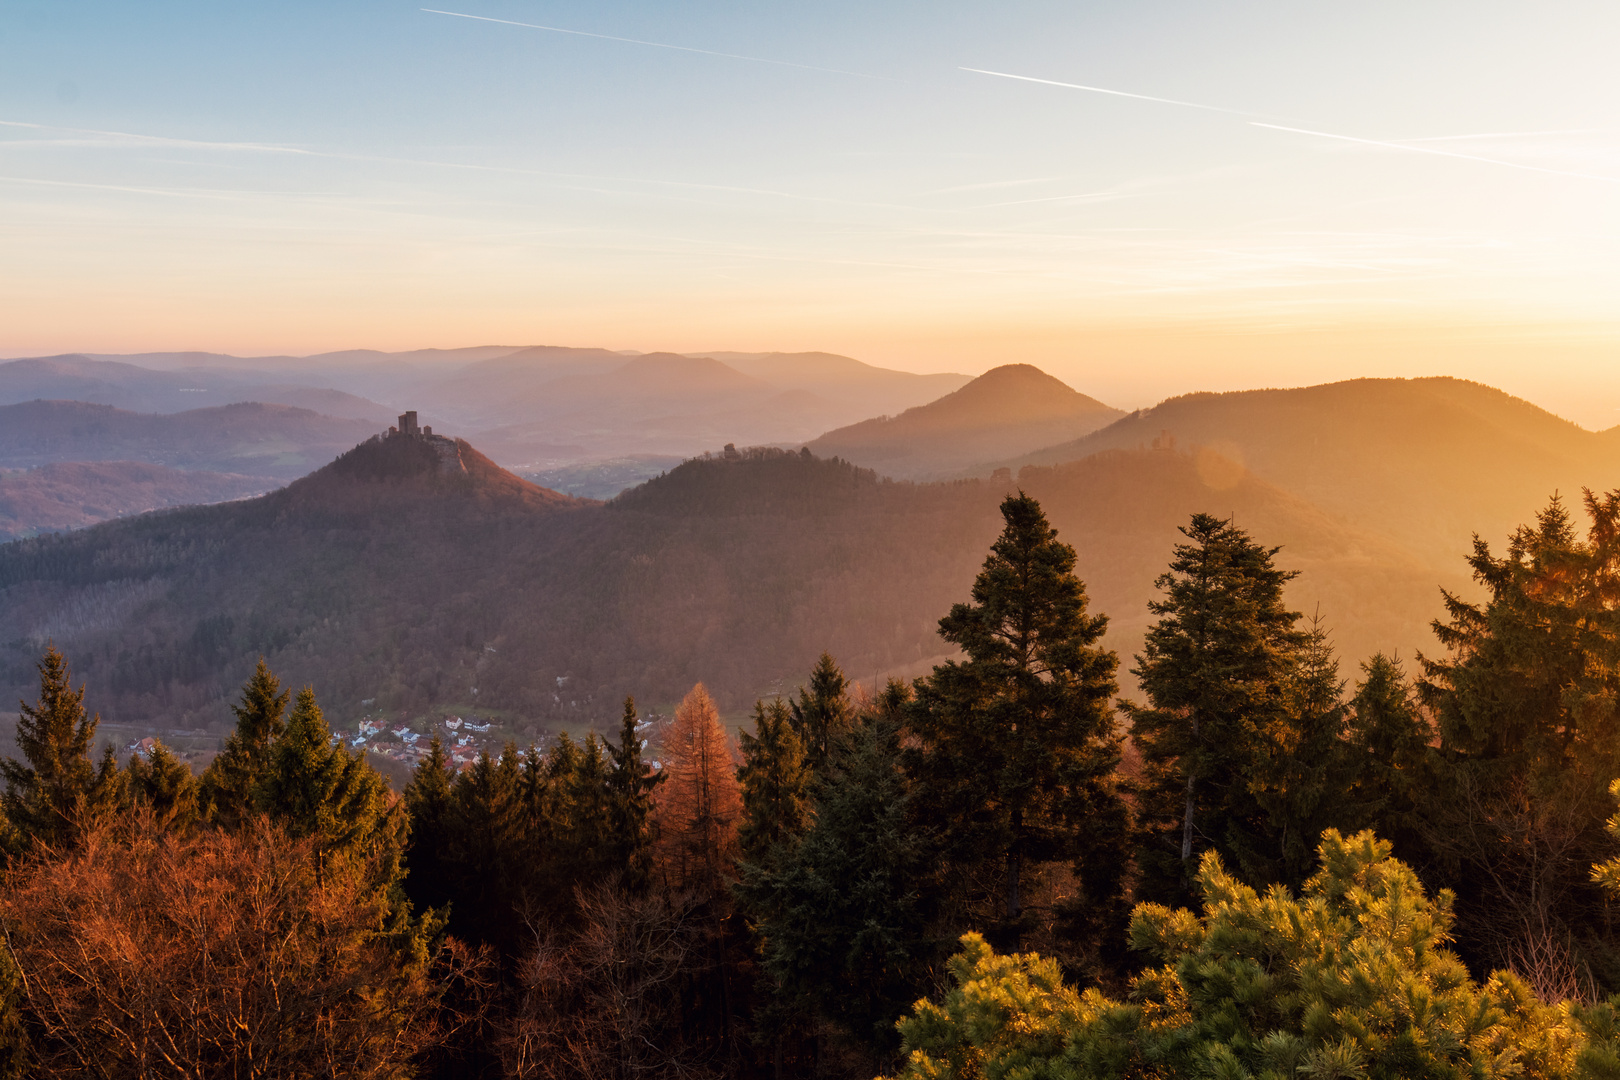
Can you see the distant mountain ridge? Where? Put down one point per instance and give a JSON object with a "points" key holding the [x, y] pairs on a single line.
{"points": [[534, 407], [1007, 408], [254, 439], [1427, 462]]}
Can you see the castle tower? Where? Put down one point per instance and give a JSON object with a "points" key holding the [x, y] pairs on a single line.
{"points": [[407, 424]]}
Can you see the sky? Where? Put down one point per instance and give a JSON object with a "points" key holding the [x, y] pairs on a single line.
{"points": [[1144, 197]]}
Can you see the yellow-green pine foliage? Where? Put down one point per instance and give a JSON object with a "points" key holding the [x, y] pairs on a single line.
{"points": [[1352, 978]]}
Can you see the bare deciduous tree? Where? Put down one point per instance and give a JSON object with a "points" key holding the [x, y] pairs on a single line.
{"points": [[218, 955], [603, 1002]]}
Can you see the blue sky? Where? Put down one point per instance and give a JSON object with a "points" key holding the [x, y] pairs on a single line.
{"points": [[300, 177]]}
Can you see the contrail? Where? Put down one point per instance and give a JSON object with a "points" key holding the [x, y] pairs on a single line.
{"points": [[160, 140], [1438, 153], [1112, 93], [660, 45]]}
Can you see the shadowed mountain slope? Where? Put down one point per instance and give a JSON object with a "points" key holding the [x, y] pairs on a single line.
{"points": [[252, 439], [1426, 462], [396, 575], [72, 495], [1005, 409]]}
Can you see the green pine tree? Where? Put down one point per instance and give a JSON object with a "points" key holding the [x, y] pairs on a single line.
{"points": [[842, 915], [1015, 746], [429, 800], [775, 781], [1527, 710], [50, 795], [229, 782], [313, 787], [164, 787], [822, 711], [630, 794], [1389, 759], [494, 842], [1216, 669]]}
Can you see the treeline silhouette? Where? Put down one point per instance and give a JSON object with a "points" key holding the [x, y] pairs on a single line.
{"points": [[1259, 868]]}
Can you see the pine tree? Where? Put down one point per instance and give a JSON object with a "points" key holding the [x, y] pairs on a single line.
{"points": [[48, 799], [1387, 743], [630, 792], [1216, 669], [1527, 710], [491, 850], [163, 786], [14, 1051], [775, 782], [823, 711], [1303, 775], [1016, 746], [313, 787], [229, 781], [429, 803], [842, 914]]}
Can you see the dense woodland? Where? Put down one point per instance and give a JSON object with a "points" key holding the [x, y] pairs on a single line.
{"points": [[378, 584], [1257, 864]]}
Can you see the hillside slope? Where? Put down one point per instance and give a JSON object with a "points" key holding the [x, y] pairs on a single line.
{"points": [[1007, 410], [72, 495], [395, 576], [1424, 462], [254, 439]]}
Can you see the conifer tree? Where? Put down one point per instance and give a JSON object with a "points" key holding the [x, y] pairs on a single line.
{"points": [[490, 848], [823, 711], [842, 914], [699, 806], [49, 795], [630, 791], [775, 782], [229, 781], [1303, 771], [1387, 742], [1527, 710], [314, 788], [163, 786], [1016, 746], [1216, 669], [429, 804]]}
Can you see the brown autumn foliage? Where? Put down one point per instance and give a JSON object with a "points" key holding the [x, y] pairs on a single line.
{"points": [[700, 805], [217, 955], [604, 1001]]}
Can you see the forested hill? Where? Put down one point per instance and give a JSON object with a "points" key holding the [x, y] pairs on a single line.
{"points": [[396, 575], [1007, 410], [1424, 462]]}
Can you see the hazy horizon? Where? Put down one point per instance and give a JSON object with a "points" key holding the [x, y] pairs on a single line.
{"points": [[1219, 199]]}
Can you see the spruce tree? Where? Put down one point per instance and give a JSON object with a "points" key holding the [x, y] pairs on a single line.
{"points": [[630, 792], [492, 850], [823, 711], [429, 803], [1015, 746], [1216, 669], [1527, 711], [1303, 775], [50, 795], [228, 783], [313, 787], [1387, 744], [842, 914], [164, 787], [775, 782]]}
